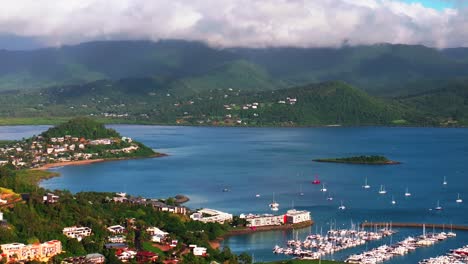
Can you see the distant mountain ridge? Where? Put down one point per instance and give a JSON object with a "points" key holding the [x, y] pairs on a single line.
{"points": [[148, 101], [381, 69]]}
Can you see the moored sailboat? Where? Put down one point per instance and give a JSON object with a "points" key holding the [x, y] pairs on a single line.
{"points": [[366, 185], [382, 190], [407, 193], [274, 206]]}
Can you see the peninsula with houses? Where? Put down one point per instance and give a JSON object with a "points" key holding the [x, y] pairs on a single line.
{"points": [[78, 141]]}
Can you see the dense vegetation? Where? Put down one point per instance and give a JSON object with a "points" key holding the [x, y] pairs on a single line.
{"points": [[192, 66], [33, 221], [178, 82], [146, 101], [81, 127], [373, 160]]}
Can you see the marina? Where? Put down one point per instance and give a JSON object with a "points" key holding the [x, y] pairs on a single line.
{"points": [[386, 252], [456, 256], [316, 246]]}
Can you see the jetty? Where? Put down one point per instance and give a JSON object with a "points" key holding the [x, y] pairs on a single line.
{"points": [[417, 225]]}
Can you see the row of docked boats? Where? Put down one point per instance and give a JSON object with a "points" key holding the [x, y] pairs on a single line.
{"points": [[386, 252], [456, 256], [317, 245]]}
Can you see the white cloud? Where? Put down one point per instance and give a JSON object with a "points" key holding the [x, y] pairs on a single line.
{"points": [[253, 23]]}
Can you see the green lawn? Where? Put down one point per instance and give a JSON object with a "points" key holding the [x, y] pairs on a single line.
{"points": [[149, 247]]}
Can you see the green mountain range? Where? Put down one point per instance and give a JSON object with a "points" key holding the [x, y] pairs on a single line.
{"points": [[180, 82], [381, 69]]}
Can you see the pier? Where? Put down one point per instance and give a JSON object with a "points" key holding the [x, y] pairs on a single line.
{"points": [[416, 225]]}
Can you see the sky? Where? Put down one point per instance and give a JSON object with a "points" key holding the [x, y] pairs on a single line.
{"points": [[28, 24]]}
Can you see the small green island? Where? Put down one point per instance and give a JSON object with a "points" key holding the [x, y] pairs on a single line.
{"points": [[367, 160]]}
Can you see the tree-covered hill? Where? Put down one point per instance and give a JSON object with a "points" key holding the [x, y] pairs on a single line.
{"points": [[194, 67], [449, 102], [81, 127], [148, 101]]}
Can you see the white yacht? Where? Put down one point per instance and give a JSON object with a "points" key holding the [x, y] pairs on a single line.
{"points": [[382, 190], [366, 186], [393, 201], [407, 193], [438, 207], [445, 181], [329, 197], [459, 200], [274, 206], [257, 195], [342, 207], [323, 188]]}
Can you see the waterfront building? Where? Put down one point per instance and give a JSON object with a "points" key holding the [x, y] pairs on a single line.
{"points": [[17, 252], [77, 232], [264, 220], [211, 216], [294, 216]]}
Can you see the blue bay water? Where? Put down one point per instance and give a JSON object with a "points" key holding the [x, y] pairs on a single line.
{"points": [[203, 161]]}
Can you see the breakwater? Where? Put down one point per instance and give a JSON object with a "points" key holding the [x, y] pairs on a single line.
{"points": [[417, 225]]}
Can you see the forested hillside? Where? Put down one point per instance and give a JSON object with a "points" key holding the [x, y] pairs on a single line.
{"points": [[380, 69], [147, 101]]}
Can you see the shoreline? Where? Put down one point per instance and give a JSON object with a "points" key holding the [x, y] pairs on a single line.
{"points": [[248, 230], [11, 122], [91, 161]]}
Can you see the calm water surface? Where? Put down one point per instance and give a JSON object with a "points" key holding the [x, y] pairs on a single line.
{"points": [[248, 161]]}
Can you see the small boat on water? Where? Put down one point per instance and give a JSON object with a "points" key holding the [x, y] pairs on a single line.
{"points": [[438, 207], [382, 190], [324, 189], [257, 195], [274, 206], [301, 193], [342, 207], [459, 200], [366, 186], [445, 181], [393, 200], [316, 180], [407, 193], [329, 197], [225, 190]]}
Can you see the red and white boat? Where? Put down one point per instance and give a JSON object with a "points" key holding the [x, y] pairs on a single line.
{"points": [[316, 181]]}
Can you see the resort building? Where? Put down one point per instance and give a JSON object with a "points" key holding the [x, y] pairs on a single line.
{"points": [[77, 232], [294, 216], [157, 235], [17, 252], [264, 220], [94, 258], [211, 216], [116, 239], [50, 198], [199, 251], [116, 229]]}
